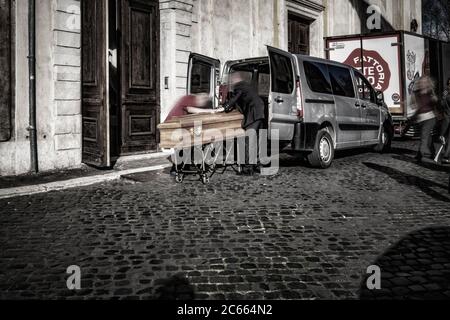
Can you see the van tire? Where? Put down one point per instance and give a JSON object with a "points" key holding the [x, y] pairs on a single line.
{"points": [[384, 145], [323, 154]]}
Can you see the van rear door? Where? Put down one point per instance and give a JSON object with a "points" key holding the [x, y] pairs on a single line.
{"points": [[283, 112], [203, 76]]}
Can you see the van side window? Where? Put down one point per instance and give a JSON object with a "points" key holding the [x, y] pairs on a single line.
{"points": [[317, 76], [283, 75], [201, 78], [341, 81], [365, 90]]}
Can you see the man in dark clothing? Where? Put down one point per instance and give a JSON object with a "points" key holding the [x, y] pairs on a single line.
{"points": [[445, 130], [246, 99]]}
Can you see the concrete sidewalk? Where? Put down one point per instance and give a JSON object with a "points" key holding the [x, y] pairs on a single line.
{"points": [[53, 181]]}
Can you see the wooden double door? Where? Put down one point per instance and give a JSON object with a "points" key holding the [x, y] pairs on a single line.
{"points": [[120, 78]]}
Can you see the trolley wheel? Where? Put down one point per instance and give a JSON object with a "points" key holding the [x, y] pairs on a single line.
{"points": [[179, 178], [205, 179]]}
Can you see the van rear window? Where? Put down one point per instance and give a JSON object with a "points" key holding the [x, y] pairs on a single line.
{"points": [[201, 78], [317, 77], [341, 81], [282, 75]]}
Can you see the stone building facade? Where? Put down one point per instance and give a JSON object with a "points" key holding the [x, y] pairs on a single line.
{"points": [[223, 29]]}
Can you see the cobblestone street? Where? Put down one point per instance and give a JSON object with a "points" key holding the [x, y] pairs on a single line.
{"points": [[302, 234]]}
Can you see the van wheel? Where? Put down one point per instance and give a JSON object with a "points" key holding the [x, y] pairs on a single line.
{"points": [[384, 145], [323, 154]]}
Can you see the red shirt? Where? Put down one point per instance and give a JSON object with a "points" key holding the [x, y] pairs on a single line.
{"points": [[425, 103], [180, 107]]}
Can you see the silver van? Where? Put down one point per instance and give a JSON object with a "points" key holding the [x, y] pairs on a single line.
{"points": [[318, 106]]}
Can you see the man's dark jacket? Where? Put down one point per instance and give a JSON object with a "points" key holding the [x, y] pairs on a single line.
{"points": [[446, 110], [249, 103]]}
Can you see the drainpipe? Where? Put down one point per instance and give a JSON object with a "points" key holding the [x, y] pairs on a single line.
{"points": [[32, 84]]}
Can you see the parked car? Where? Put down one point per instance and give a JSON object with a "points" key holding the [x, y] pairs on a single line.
{"points": [[318, 106]]}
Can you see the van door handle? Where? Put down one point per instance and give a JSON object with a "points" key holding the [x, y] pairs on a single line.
{"points": [[357, 104], [279, 100], [364, 106]]}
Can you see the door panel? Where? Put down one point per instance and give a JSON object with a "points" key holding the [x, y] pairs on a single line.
{"points": [[114, 79], [203, 76], [370, 111], [348, 109], [95, 83], [139, 75], [282, 99]]}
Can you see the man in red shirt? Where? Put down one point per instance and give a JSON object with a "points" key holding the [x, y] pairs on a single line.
{"points": [[192, 104]]}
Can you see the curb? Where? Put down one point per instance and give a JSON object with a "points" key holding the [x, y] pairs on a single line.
{"points": [[151, 156], [74, 183]]}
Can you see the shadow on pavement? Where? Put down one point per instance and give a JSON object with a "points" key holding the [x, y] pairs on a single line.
{"points": [[297, 160], [417, 267], [403, 151], [427, 165], [174, 288], [353, 152], [403, 178]]}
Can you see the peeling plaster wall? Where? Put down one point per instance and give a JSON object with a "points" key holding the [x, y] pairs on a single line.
{"points": [[58, 89]]}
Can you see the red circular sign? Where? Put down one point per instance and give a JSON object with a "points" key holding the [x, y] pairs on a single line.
{"points": [[375, 68]]}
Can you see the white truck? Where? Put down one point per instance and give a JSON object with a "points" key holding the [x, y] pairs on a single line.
{"points": [[393, 62]]}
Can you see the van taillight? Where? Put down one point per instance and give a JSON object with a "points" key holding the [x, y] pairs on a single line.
{"points": [[300, 111]]}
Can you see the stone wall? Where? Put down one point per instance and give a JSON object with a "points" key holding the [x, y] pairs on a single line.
{"points": [[57, 88], [350, 17], [67, 79]]}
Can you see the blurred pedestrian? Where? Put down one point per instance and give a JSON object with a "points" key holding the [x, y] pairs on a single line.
{"points": [[425, 116], [445, 129], [447, 89]]}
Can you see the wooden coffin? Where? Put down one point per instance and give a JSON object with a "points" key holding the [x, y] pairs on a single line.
{"points": [[193, 130]]}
